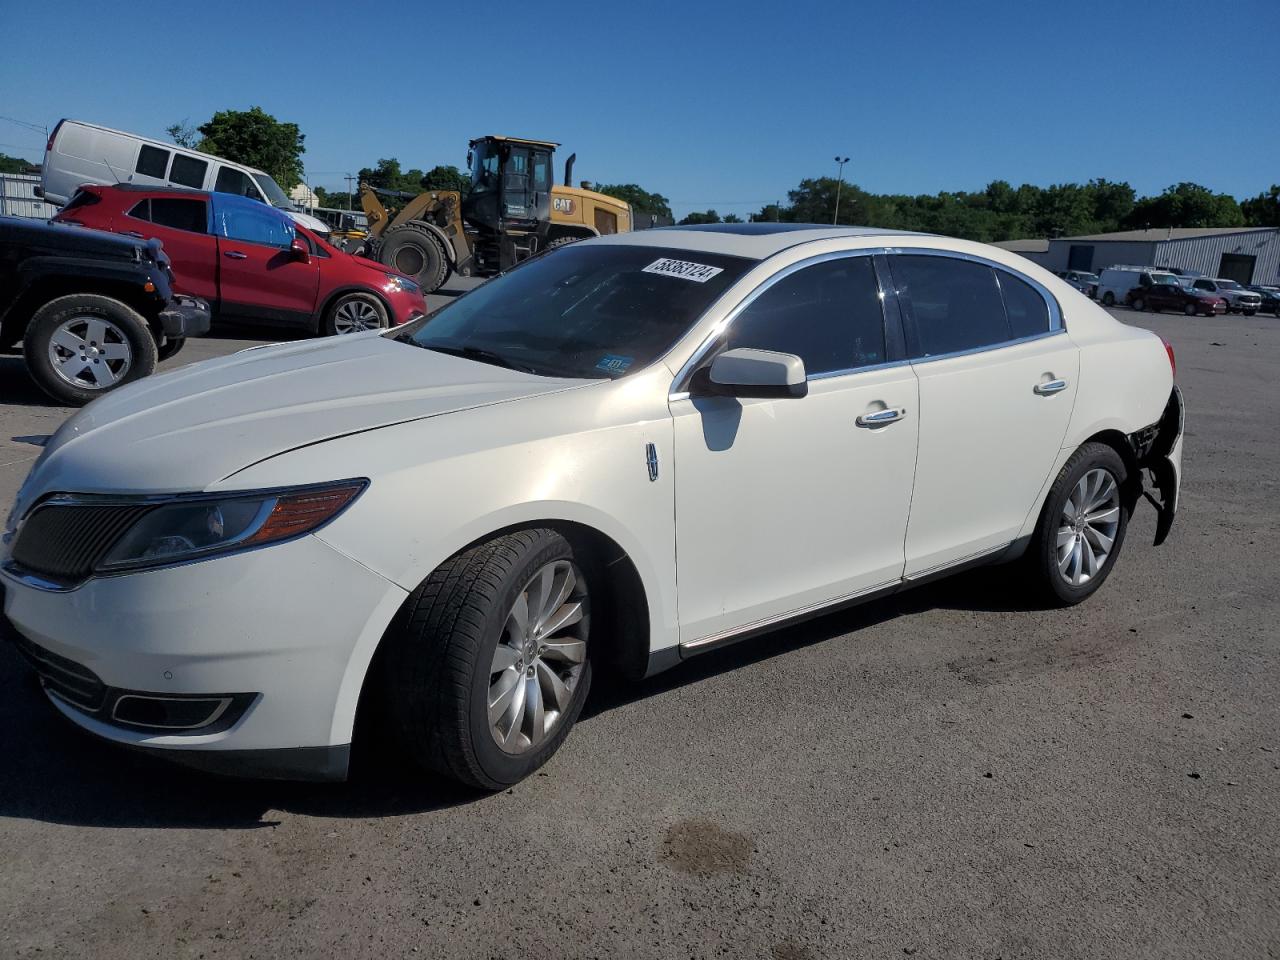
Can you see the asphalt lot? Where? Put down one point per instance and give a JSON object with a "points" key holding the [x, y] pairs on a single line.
{"points": [[947, 773]]}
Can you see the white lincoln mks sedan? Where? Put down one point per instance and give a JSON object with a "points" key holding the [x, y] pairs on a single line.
{"points": [[620, 454]]}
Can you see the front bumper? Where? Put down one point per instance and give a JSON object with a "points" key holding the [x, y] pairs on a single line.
{"points": [[185, 317], [287, 629]]}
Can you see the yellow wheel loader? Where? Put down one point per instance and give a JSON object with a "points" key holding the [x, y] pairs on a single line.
{"points": [[512, 211]]}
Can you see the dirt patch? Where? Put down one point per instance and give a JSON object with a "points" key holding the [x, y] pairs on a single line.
{"points": [[792, 951], [701, 847]]}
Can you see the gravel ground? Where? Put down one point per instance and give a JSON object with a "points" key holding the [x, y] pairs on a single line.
{"points": [[947, 773]]}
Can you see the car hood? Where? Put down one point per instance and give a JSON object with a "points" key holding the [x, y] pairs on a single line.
{"points": [[190, 429], [69, 240]]}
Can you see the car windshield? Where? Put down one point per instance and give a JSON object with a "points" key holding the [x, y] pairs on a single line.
{"points": [[583, 310], [1165, 278], [275, 196], [1088, 277], [1227, 284]]}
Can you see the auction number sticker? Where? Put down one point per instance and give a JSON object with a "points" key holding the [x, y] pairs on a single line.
{"points": [[697, 272]]}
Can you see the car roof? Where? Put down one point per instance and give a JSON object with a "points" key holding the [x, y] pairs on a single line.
{"points": [[756, 241]]}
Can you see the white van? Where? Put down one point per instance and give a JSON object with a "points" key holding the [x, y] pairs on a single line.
{"points": [[80, 153], [1114, 283]]}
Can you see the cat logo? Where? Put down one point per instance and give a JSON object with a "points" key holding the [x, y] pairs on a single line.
{"points": [[562, 204]]}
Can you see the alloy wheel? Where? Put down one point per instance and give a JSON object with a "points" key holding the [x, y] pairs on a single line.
{"points": [[90, 353], [1088, 526], [539, 658], [355, 316]]}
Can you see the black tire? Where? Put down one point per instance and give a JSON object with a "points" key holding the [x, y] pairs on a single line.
{"points": [[355, 303], [1041, 558], [1189, 309], [1249, 313], [1109, 299], [435, 672], [416, 252], [171, 348], [142, 353], [1139, 304]]}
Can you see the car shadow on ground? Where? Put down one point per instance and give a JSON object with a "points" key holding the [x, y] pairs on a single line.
{"points": [[54, 772]]}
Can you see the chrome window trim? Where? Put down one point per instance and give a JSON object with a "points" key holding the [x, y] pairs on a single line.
{"points": [[691, 365], [989, 348]]}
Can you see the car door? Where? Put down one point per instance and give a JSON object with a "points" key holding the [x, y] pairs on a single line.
{"points": [[182, 225], [788, 505], [259, 275], [997, 384]]}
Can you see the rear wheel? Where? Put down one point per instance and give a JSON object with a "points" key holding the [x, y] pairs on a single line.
{"points": [[1189, 309], [1139, 304], [1109, 299], [171, 347], [81, 346], [486, 669], [416, 252], [355, 313], [1081, 527]]}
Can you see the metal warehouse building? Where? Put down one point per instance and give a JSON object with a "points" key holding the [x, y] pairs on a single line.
{"points": [[1246, 254]]}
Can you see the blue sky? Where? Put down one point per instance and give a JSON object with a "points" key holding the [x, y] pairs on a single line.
{"points": [[724, 105]]}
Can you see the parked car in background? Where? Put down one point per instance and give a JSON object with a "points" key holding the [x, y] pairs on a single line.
{"points": [[1270, 296], [251, 262], [1114, 283], [78, 153], [1086, 283], [1239, 298], [92, 311], [1175, 296], [628, 451]]}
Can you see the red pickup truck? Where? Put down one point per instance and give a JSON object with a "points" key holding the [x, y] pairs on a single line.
{"points": [[251, 262]]}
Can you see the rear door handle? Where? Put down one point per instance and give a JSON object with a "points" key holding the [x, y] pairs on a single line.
{"points": [[1050, 387], [236, 255], [881, 417]]}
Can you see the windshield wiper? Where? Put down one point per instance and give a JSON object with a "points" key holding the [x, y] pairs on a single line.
{"points": [[479, 354]]}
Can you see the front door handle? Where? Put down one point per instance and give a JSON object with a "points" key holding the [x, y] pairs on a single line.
{"points": [[881, 417], [1050, 387], [236, 255], [134, 233]]}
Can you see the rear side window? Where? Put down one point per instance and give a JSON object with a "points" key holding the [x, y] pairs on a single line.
{"points": [[82, 198], [188, 171], [180, 214], [233, 181], [1028, 313], [254, 224], [829, 315], [152, 161], [956, 304]]}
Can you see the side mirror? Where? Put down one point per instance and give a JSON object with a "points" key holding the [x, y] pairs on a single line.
{"points": [[299, 252], [749, 373]]}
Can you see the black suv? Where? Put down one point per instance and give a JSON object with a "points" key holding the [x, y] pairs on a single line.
{"points": [[93, 310]]}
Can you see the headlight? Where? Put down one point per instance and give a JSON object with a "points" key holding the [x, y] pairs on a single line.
{"points": [[207, 526], [404, 283]]}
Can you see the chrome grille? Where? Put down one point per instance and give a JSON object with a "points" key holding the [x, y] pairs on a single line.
{"points": [[65, 678], [66, 541]]}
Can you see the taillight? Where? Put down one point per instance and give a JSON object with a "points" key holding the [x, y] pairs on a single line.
{"points": [[1168, 348]]}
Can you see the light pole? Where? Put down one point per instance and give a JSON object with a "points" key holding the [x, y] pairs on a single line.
{"points": [[840, 161]]}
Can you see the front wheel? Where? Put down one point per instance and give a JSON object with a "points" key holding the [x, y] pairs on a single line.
{"points": [[80, 346], [1081, 527], [1109, 299], [1189, 309], [355, 313], [1249, 313], [486, 669]]}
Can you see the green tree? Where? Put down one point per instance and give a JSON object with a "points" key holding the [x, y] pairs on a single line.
{"points": [[446, 178], [732, 218], [257, 139], [335, 199], [387, 175], [641, 200], [1263, 210], [10, 164], [709, 216], [183, 134], [1186, 205]]}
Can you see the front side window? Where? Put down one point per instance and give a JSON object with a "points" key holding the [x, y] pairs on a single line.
{"points": [[828, 314], [234, 182], [152, 162], [956, 304], [141, 210], [180, 213], [188, 171], [583, 310], [253, 224], [275, 195]]}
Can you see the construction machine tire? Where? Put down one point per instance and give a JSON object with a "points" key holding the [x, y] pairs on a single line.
{"points": [[416, 252]]}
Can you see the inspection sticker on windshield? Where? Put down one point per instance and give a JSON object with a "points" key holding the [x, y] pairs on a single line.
{"points": [[614, 364], [697, 272]]}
